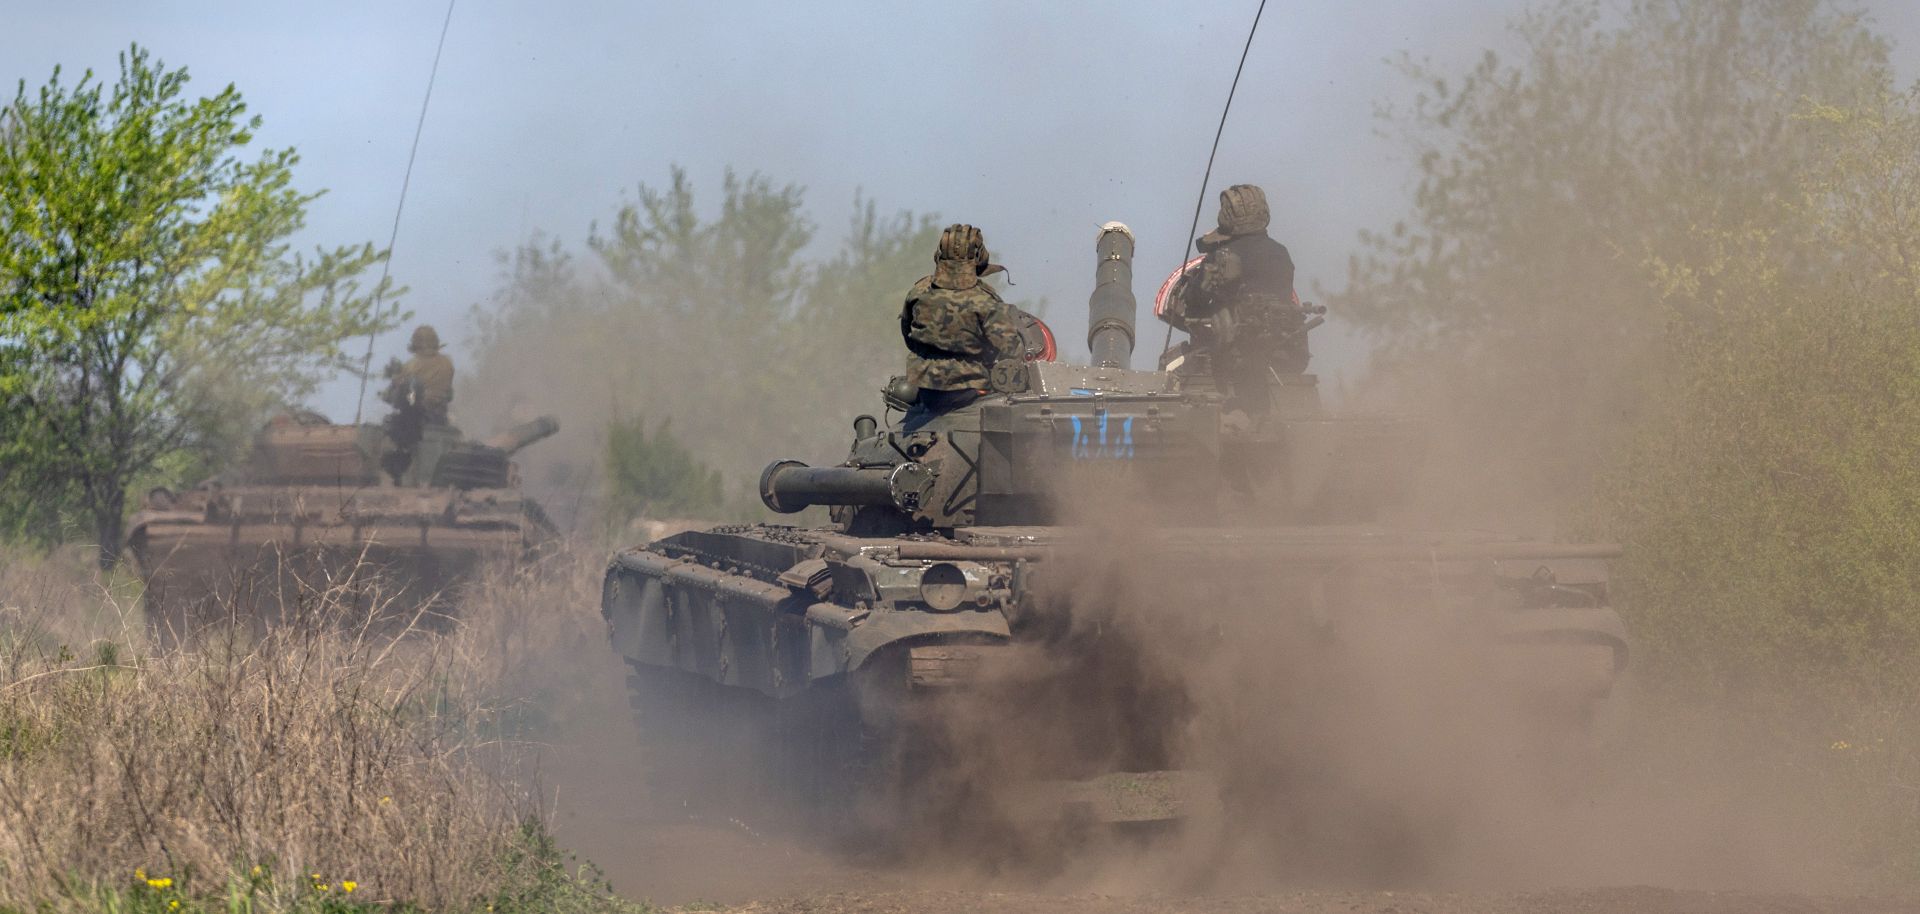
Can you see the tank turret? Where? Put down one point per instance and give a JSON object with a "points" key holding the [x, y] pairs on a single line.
{"points": [[463, 464]]}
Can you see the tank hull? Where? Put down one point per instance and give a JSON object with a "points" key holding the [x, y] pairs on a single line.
{"points": [[259, 556], [1058, 656]]}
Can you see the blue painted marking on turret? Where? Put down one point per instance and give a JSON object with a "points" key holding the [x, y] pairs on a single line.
{"points": [[1110, 446]]}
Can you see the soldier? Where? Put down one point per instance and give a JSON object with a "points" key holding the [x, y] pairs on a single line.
{"points": [[1247, 324], [431, 371], [962, 339], [419, 392]]}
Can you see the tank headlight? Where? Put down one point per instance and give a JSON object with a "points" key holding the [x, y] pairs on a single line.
{"points": [[946, 586]]}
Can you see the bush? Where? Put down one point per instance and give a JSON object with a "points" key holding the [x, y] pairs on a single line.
{"points": [[653, 475], [318, 769]]}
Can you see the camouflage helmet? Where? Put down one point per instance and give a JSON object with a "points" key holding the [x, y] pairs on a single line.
{"points": [[961, 258], [1243, 210], [424, 340]]}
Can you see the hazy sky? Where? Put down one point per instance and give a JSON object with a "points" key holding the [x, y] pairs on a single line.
{"points": [[1036, 121]]}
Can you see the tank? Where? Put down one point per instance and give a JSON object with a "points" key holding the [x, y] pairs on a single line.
{"points": [[1025, 590], [322, 508]]}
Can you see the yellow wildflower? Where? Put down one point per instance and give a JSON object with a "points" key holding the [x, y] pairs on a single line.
{"points": [[348, 886], [324, 887], [140, 874], [386, 801], [164, 882], [173, 905], [257, 871], [1841, 745]]}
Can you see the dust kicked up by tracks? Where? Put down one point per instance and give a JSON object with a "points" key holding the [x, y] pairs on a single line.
{"points": [[1368, 798]]}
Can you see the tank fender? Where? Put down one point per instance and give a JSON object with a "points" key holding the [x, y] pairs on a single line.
{"points": [[729, 628], [844, 645], [1565, 651], [911, 625], [1597, 625]]}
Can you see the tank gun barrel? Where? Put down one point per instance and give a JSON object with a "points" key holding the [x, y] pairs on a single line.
{"points": [[1110, 308], [788, 486], [525, 433]]}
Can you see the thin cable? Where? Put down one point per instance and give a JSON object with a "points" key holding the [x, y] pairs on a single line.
{"points": [[1201, 203], [366, 363]]}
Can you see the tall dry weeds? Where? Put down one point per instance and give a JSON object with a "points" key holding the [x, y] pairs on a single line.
{"points": [[396, 762]]}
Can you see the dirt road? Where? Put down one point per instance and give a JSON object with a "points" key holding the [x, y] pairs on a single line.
{"points": [[731, 866], [1584, 901], [683, 859]]}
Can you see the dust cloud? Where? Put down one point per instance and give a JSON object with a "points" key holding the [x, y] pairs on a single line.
{"points": [[1361, 729]]}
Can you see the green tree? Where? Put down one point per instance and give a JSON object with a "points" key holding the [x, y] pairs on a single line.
{"points": [[653, 475], [1519, 289], [716, 318], [1771, 495], [149, 301]]}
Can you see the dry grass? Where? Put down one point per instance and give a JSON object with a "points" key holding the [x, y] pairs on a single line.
{"points": [[319, 755]]}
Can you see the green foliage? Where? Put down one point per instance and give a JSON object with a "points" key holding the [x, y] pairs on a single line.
{"points": [[1519, 287], [1773, 498], [540, 879], [537, 878], [653, 475], [718, 320], [1668, 259], [149, 303]]}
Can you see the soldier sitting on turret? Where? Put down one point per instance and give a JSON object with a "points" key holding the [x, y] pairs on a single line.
{"points": [[962, 339], [419, 392], [1247, 324]]}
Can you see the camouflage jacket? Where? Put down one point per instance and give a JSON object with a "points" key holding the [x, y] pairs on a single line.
{"points": [[954, 336]]}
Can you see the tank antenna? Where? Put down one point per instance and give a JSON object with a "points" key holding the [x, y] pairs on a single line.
{"points": [[366, 362], [1201, 203]]}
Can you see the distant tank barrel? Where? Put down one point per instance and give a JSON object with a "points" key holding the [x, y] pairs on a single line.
{"points": [[525, 433], [1110, 308], [788, 486]]}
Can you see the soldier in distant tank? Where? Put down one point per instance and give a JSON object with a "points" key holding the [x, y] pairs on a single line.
{"points": [[419, 392], [962, 339], [431, 371], [1247, 324]]}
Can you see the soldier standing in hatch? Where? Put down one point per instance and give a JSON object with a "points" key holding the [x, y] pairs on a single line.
{"points": [[432, 372], [419, 392], [962, 339], [1247, 324]]}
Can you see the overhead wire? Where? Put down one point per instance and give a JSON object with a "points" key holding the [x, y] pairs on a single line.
{"points": [[1201, 202], [406, 180]]}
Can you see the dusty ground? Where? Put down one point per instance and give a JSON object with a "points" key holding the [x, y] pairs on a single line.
{"points": [[1636, 900], [677, 858]]}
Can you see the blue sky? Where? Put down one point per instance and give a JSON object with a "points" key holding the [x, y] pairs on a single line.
{"points": [[1037, 121]]}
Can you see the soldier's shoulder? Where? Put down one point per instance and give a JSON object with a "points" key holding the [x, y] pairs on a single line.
{"points": [[920, 287], [1262, 243]]}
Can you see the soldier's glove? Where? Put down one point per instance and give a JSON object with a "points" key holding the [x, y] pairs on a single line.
{"points": [[1008, 376]]}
